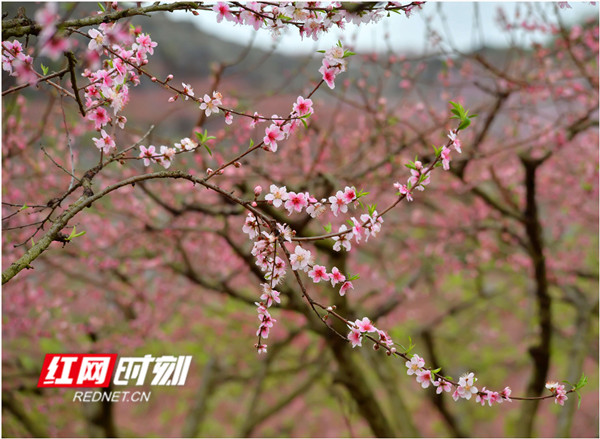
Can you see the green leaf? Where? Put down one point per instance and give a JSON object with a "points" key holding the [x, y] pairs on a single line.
{"points": [[361, 194], [327, 227], [251, 143], [392, 120], [304, 122], [459, 108], [348, 53], [101, 7], [464, 124], [372, 209], [436, 370], [350, 222], [321, 51], [411, 346], [354, 277], [44, 69], [582, 382], [207, 148], [74, 234]]}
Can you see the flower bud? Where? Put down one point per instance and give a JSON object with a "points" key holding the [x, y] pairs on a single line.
{"points": [[257, 191], [169, 78], [153, 79], [237, 164], [375, 347], [209, 171]]}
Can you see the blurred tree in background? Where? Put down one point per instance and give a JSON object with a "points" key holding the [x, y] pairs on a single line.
{"points": [[493, 269]]}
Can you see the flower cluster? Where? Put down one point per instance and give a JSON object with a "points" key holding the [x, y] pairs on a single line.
{"points": [[560, 394], [369, 225], [363, 326], [109, 86], [165, 155], [266, 323], [281, 129], [264, 251], [311, 22], [105, 143], [51, 42], [17, 63], [465, 388], [493, 397], [302, 259], [419, 178], [445, 152], [319, 273], [334, 63], [210, 104], [296, 202]]}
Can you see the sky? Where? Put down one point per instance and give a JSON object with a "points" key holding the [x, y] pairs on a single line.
{"points": [[469, 25]]}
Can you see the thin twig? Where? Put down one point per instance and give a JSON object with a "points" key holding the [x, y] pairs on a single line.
{"points": [[73, 178], [42, 79], [60, 166], [72, 62]]}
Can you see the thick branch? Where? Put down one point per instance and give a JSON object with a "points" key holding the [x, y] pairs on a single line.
{"points": [[195, 417], [438, 398], [355, 381], [577, 354], [87, 200], [11, 404], [19, 28], [540, 353]]}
